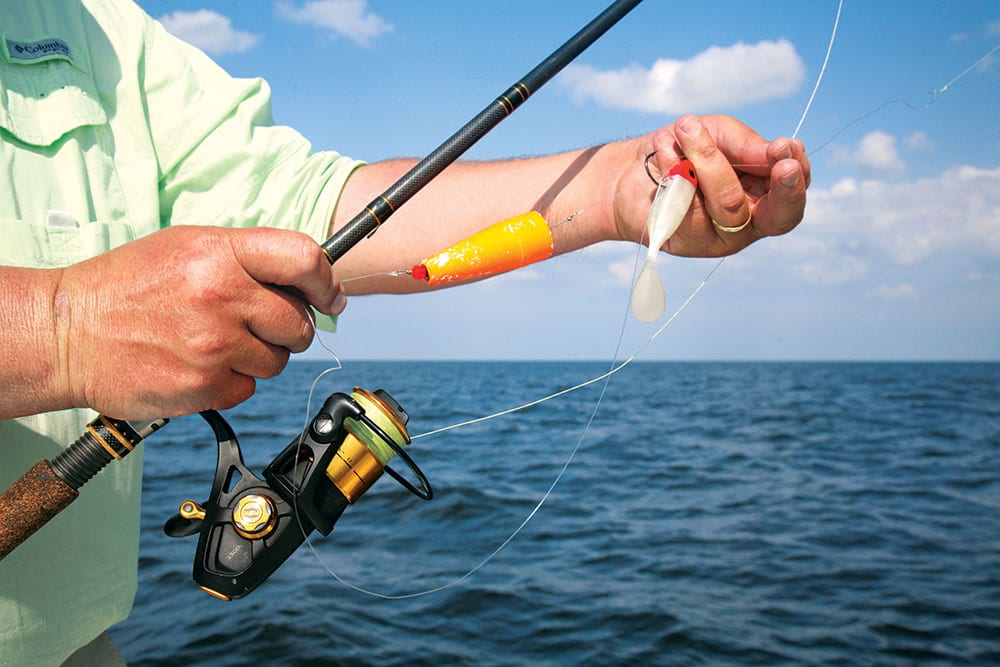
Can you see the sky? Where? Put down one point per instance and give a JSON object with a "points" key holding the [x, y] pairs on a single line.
{"points": [[897, 258]]}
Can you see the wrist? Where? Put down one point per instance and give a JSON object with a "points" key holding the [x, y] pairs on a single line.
{"points": [[60, 310], [619, 158], [32, 373], [590, 199]]}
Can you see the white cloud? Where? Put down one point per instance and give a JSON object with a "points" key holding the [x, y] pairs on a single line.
{"points": [[876, 151], [346, 18], [993, 28], [715, 79], [892, 239], [623, 271], [988, 278], [827, 269], [904, 223], [893, 292], [210, 31], [918, 141], [848, 186], [523, 275]]}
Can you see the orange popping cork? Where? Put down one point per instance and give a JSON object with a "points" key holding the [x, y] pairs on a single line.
{"points": [[507, 245]]}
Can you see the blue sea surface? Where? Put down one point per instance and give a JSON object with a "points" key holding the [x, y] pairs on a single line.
{"points": [[715, 513]]}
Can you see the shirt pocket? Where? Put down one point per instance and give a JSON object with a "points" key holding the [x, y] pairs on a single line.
{"points": [[44, 101], [57, 149], [33, 245]]}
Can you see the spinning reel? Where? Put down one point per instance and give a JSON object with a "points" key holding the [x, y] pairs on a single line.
{"points": [[249, 526]]}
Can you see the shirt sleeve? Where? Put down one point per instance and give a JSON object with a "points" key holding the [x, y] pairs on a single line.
{"points": [[222, 160]]}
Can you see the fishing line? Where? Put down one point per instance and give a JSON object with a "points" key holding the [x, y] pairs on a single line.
{"points": [[933, 92], [312, 390], [616, 367], [496, 551], [605, 377], [493, 554], [968, 69], [805, 110], [822, 70]]}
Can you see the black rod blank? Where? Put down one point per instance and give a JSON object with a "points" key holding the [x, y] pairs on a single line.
{"points": [[376, 213]]}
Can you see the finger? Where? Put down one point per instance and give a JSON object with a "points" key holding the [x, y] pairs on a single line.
{"points": [[745, 150], [783, 207], [799, 154], [789, 149], [229, 380], [257, 359], [725, 200], [213, 353], [340, 301], [238, 388], [279, 318], [288, 259]]}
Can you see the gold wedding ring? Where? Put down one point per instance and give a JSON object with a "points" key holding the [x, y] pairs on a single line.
{"points": [[733, 230]]}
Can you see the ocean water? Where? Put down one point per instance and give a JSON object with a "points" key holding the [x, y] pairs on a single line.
{"points": [[715, 513]]}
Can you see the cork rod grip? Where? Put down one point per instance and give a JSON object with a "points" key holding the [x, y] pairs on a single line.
{"points": [[29, 503]]}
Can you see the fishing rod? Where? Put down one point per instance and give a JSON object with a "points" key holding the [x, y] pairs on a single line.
{"points": [[383, 206], [249, 525]]}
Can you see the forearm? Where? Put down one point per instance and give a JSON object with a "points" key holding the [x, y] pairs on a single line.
{"points": [[469, 196], [607, 185], [29, 369]]}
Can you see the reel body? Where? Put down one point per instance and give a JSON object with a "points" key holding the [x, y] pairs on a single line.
{"points": [[250, 525]]}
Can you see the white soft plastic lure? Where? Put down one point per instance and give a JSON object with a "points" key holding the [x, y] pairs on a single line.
{"points": [[671, 204]]}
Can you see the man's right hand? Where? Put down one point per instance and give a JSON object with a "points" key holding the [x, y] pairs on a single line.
{"points": [[186, 319]]}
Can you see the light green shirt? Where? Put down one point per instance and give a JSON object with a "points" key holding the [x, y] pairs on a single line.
{"points": [[111, 129]]}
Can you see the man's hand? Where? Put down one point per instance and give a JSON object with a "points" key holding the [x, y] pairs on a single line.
{"points": [[741, 177], [185, 319]]}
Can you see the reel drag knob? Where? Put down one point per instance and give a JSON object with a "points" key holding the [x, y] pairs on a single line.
{"points": [[254, 516]]}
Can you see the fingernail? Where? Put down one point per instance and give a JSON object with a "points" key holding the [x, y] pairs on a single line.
{"points": [[339, 303], [790, 179], [689, 126]]}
